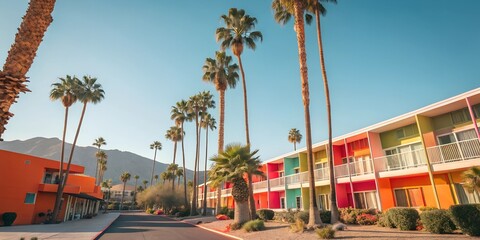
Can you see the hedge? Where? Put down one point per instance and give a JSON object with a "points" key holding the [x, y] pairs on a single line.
{"points": [[437, 221], [467, 218], [265, 214], [403, 218]]}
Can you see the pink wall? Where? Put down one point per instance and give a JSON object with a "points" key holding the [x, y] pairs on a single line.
{"points": [[364, 186], [338, 154], [275, 199], [342, 195]]}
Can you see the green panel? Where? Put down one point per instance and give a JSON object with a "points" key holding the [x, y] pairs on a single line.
{"points": [[391, 138], [303, 162], [446, 120], [291, 197], [442, 121], [290, 164]]}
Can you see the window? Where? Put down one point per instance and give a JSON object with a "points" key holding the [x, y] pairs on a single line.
{"points": [[466, 196], [281, 174], [460, 116], [30, 198], [410, 197], [476, 110], [324, 202], [298, 202], [365, 200], [296, 170], [282, 203], [407, 131], [405, 156], [321, 165]]}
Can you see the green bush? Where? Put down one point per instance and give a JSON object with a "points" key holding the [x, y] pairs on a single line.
{"points": [[384, 220], [349, 215], [303, 215], [254, 225], [437, 221], [467, 218], [8, 218], [266, 214], [235, 226], [326, 216], [286, 216], [231, 213], [325, 233], [403, 218], [223, 210]]}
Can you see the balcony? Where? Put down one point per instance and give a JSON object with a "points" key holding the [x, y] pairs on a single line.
{"points": [[321, 174], [413, 161], [456, 155], [341, 170], [356, 168], [277, 183], [260, 186], [226, 192]]}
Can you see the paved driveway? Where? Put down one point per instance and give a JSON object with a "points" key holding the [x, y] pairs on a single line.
{"points": [[143, 226]]}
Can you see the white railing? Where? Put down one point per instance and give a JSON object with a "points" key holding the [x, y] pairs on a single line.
{"points": [[321, 174], [227, 191], [341, 170], [399, 161], [200, 196], [277, 182], [361, 167], [211, 194], [458, 151], [260, 185], [304, 177], [292, 179]]}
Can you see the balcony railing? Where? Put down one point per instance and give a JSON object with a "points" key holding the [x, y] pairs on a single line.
{"points": [[321, 174], [361, 167], [458, 151], [277, 182], [227, 191], [292, 179], [211, 194], [260, 185], [400, 161], [341, 170]]}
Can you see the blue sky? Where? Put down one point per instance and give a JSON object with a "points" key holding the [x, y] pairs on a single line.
{"points": [[383, 58]]}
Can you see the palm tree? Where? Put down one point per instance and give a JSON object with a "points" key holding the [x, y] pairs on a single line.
{"points": [[103, 168], [102, 162], [472, 180], [20, 57], [179, 114], [237, 31], [164, 176], [156, 145], [125, 177], [65, 90], [208, 122], [298, 9], [144, 182], [107, 184], [174, 134], [135, 193], [172, 168], [294, 137], [179, 173], [222, 74], [156, 178], [99, 142], [232, 165], [88, 91], [318, 9]]}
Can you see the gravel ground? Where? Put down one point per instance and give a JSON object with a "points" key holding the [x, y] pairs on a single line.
{"points": [[281, 231]]}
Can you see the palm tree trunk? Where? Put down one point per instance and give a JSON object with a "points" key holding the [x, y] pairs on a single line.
{"points": [[221, 129], [193, 209], [21, 55], [153, 169], [251, 199], [123, 194], [184, 172], [63, 145], [333, 200], [314, 216], [135, 193], [174, 151], [244, 83], [205, 174], [62, 184], [294, 146], [240, 195], [96, 172]]}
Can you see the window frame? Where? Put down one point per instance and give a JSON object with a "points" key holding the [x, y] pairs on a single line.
{"points": [[298, 202], [364, 193], [34, 198], [408, 197]]}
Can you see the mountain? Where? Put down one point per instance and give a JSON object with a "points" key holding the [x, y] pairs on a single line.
{"points": [[118, 161]]}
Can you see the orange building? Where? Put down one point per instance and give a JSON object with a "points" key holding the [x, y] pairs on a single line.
{"points": [[29, 186]]}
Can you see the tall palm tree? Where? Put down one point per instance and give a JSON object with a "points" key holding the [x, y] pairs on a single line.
{"points": [[102, 162], [179, 114], [144, 182], [20, 57], [232, 165], [125, 177], [65, 90], [222, 74], [208, 122], [472, 180], [135, 189], [88, 91], [156, 178], [237, 31], [294, 136], [172, 168], [99, 142], [164, 176], [179, 173], [108, 185], [298, 8], [174, 134], [156, 145], [103, 168]]}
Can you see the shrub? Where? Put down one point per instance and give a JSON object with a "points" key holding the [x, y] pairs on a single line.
{"points": [[326, 216], [159, 212], [366, 219], [254, 225], [183, 212], [266, 214], [223, 210], [231, 214], [403, 218], [467, 218], [325, 233], [235, 226], [303, 215], [8, 218], [349, 215], [222, 217], [298, 226], [286, 216], [437, 221]]}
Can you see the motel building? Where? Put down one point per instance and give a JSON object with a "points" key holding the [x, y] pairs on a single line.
{"points": [[413, 160], [29, 189]]}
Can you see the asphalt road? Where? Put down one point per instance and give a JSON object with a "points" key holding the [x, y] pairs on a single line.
{"points": [[141, 226]]}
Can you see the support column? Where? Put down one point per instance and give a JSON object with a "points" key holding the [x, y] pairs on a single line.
{"points": [[472, 116], [349, 173], [375, 174]]}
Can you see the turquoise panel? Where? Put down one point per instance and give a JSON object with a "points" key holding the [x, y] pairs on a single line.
{"points": [[290, 164], [291, 197]]}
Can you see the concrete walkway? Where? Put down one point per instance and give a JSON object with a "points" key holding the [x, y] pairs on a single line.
{"points": [[83, 229]]}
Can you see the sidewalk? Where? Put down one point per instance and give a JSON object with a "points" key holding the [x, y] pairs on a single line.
{"points": [[83, 229]]}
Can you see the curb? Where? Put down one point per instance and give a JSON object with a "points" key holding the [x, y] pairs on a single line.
{"points": [[208, 229], [105, 228]]}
